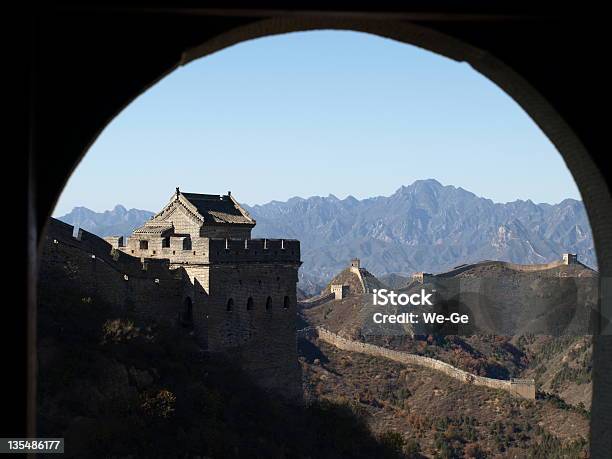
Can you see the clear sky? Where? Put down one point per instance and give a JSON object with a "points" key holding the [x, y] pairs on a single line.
{"points": [[315, 113]]}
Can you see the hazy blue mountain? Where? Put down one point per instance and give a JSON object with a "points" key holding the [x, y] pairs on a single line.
{"points": [[421, 227], [424, 227], [116, 222]]}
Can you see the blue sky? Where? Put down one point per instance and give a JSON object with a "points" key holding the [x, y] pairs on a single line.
{"points": [[315, 113]]}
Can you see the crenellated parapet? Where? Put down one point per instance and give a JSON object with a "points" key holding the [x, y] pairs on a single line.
{"points": [[254, 251]]}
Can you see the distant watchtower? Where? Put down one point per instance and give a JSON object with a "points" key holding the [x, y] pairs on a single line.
{"points": [[355, 263], [420, 276], [570, 258], [340, 291]]}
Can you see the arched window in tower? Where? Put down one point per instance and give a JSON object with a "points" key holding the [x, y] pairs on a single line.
{"points": [[230, 305], [250, 304], [268, 303], [187, 313], [286, 302]]}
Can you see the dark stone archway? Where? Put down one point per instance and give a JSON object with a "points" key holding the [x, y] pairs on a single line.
{"points": [[87, 64]]}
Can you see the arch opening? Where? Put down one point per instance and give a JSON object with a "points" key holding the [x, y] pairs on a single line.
{"points": [[553, 126]]}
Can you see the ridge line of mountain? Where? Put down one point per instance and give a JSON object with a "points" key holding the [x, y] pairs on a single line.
{"points": [[425, 226]]}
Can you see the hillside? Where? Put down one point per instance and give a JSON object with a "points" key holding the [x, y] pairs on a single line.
{"points": [[529, 324], [116, 386], [437, 416], [500, 298], [561, 366]]}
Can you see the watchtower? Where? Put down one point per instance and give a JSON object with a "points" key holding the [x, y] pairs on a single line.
{"points": [[570, 258], [339, 290], [241, 294]]}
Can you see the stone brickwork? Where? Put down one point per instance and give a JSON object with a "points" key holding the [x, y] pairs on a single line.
{"points": [[87, 268], [340, 291], [237, 294], [521, 388]]}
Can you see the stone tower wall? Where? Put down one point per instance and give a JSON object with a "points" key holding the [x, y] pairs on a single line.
{"points": [[260, 332]]}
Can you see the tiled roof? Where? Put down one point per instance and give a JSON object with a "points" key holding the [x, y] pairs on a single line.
{"points": [[218, 208], [154, 227]]}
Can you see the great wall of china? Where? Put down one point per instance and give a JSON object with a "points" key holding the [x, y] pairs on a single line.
{"points": [[519, 387], [567, 259]]}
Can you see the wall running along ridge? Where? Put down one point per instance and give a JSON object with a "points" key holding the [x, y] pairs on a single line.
{"points": [[506, 264], [519, 387]]}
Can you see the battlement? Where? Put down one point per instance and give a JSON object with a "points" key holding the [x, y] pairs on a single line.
{"points": [[60, 234], [253, 250]]}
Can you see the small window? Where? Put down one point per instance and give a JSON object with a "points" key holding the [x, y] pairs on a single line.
{"points": [[286, 302], [187, 313], [154, 252], [269, 303], [250, 304], [144, 245], [230, 304], [166, 242]]}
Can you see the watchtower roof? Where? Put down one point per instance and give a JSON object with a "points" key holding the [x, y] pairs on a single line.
{"points": [[156, 228], [214, 208]]}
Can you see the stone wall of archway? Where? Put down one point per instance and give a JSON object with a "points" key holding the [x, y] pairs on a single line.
{"points": [[55, 149]]}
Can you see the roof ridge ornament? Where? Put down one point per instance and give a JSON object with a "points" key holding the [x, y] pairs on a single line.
{"points": [[178, 192]]}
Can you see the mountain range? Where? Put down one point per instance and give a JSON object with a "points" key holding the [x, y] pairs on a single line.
{"points": [[116, 222], [425, 226]]}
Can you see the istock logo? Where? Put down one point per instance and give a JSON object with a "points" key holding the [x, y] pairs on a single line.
{"points": [[383, 297]]}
